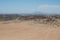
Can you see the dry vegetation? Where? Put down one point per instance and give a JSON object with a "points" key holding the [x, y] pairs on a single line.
{"points": [[50, 19]]}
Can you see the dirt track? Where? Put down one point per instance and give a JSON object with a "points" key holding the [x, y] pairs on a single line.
{"points": [[26, 31]]}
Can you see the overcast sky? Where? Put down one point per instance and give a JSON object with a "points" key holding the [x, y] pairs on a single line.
{"points": [[29, 6]]}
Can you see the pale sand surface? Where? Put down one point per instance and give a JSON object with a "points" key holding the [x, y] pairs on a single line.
{"points": [[28, 31]]}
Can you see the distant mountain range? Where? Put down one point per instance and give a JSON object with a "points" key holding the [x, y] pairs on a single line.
{"points": [[29, 14]]}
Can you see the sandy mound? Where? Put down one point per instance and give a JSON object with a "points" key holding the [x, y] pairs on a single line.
{"points": [[28, 31]]}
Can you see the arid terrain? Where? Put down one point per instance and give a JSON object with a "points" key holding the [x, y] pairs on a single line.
{"points": [[28, 30], [16, 27]]}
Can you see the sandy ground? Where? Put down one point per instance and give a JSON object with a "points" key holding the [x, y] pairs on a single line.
{"points": [[28, 31]]}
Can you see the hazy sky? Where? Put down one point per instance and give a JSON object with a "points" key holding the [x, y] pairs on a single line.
{"points": [[29, 6]]}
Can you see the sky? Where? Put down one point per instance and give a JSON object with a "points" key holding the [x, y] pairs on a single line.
{"points": [[30, 6]]}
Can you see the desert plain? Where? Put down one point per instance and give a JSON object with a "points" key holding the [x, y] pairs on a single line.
{"points": [[27, 30]]}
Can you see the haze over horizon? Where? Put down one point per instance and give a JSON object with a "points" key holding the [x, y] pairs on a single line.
{"points": [[30, 6]]}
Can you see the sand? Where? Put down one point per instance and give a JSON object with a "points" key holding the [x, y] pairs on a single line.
{"points": [[28, 31]]}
